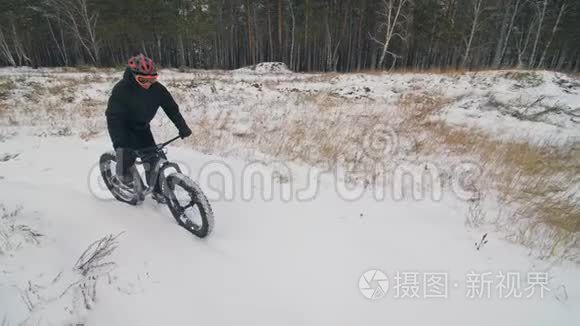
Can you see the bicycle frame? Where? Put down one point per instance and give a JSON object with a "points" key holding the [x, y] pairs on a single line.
{"points": [[158, 174]]}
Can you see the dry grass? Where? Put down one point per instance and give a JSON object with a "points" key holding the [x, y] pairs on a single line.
{"points": [[205, 136], [534, 177], [437, 70], [81, 68], [89, 112], [431, 70], [307, 141], [93, 78], [6, 85], [418, 107], [319, 129], [327, 131], [525, 78], [4, 108], [371, 72], [476, 215], [404, 70], [59, 87], [13, 234], [91, 129]]}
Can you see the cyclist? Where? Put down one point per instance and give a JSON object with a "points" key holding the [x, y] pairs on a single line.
{"points": [[133, 103]]}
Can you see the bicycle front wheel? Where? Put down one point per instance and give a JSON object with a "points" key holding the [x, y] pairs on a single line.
{"points": [[188, 204]]}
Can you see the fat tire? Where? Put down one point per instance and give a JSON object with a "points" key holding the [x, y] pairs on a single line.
{"points": [[196, 195], [106, 174]]}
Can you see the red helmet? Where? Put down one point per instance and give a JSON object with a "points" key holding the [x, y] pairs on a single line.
{"points": [[141, 65]]}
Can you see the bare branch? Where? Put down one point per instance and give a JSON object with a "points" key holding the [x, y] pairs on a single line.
{"points": [[401, 37], [5, 50], [375, 39], [393, 18], [80, 23], [92, 257]]}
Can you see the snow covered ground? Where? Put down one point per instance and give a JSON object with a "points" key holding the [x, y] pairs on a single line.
{"points": [[267, 262], [279, 259]]}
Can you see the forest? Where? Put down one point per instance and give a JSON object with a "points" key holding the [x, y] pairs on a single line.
{"points": [[307, 35]]}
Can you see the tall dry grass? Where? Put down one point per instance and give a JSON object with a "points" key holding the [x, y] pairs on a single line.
{"points": [[536, 178]]}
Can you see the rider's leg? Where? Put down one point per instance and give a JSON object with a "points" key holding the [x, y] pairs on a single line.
{"points": [[125, 162], [145, 140], [150, 165]]}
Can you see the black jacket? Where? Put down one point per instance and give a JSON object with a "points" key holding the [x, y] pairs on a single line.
{"points": [[131, 108]]}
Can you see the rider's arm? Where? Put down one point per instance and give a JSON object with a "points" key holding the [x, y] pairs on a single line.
{"points": [[115, 120], [172, 110]]}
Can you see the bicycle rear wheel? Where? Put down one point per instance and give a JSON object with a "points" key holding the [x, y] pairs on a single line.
{"points": [[107, 165], [188, 204]]}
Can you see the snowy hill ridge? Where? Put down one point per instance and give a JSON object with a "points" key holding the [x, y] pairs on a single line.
{"points": [[498, 150]]}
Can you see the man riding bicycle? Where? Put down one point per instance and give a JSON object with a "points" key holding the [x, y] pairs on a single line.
{"points": [[132, 105]]}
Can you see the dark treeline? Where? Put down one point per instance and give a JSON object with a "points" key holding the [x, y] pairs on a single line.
{"points": [[308, 35]]}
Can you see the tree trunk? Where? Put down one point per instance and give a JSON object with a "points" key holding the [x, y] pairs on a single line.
{"points": [[61, 49], [306, 47], [523, 44], [280, 31], [476, 13], [539, 31], [5, 50], [510, 28], [158, 45], [502, 37], [181, 51], [390, 23], [543, 57], [250, 35], [270, 40], [293, 18]]}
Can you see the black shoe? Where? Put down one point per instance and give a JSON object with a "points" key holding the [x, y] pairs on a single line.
{"points": [[159, 198]]}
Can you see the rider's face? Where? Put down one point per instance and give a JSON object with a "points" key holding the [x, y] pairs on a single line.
{"points": [[146, 81]]}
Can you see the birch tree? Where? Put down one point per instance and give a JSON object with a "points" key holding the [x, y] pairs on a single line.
{"points": [[541, 15], [5, 50], [391, 25], [250, 34], [554, 30], [75, 15], [60, 45], [476, 14], [293, 18], [504, 40]]}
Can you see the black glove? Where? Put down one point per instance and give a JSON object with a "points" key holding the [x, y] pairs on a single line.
{"points": [[185, 132]]}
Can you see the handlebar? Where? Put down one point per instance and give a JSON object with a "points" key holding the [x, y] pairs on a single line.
{"points": [[155, 149], [161, 146]]}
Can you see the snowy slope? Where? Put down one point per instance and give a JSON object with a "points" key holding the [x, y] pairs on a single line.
{"points": [[283, 260], [268, 262]]}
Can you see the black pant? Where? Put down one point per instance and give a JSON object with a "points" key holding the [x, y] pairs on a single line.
{"points": [[140, 140]]}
